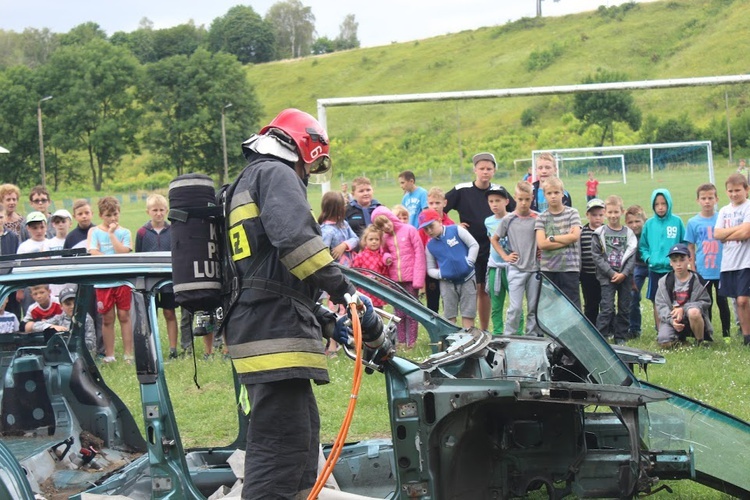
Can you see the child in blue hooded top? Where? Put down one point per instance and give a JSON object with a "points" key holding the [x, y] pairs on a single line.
{"points": [[660, 233]]}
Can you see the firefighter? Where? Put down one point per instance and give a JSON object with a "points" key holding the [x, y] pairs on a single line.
{"points": [[273, 333]]}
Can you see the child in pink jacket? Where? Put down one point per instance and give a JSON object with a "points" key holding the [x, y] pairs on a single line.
{"points": [[408, 267]]}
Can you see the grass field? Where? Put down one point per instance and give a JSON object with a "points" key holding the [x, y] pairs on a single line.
{"points": [[717, 376]]}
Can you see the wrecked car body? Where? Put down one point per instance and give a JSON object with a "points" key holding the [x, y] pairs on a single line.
{"points": [[483, 417]]}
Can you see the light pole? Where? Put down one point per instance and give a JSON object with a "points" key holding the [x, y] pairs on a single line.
{"points": [[41, 137], [224, 143]]}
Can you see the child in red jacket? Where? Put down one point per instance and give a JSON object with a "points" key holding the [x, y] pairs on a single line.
{"points": [[372, 257]]}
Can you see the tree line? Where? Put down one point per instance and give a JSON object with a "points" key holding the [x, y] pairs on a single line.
{"points": [[164, 91]]}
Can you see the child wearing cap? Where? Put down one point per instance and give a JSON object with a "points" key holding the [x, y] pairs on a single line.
{"points": [[497, 278], [613, 249], [520, 254], [36, 225], [63, 321], [435, 201], [682, 302], [592, 291], [469, 200], [451, 253], [61, 221]]}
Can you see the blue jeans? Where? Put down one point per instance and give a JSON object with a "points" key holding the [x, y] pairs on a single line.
{"points": [[640, 273]]}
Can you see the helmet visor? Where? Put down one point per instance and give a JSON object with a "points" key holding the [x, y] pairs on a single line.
{"points": [[320, 165]]}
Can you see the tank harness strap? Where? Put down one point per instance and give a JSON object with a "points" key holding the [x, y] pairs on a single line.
{"points": [[183, 215], [264, 285]]}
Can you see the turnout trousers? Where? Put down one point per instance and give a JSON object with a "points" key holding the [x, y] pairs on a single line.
{"points": [[282, 440]]}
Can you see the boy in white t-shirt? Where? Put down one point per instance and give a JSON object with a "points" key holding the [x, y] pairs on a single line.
{"points": [[36, 225], [733, 230], [61, 221]]}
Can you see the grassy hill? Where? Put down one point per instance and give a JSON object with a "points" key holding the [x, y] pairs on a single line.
{"points": [[663, 39]]}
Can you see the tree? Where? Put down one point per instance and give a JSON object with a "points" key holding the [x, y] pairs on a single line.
{"points": [[97, 114], [184, 97], [347, 38], [18, 128], [83, 34], [294, 25], [606, 108], [181, 39], [242, 32], [677, 130], [323, 45], [539, 7], [38, 46]]}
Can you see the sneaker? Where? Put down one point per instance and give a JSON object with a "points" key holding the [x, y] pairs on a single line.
{"points": [[746, 339], [208, 357], [172, 354], [128, 359], [108, 359]]}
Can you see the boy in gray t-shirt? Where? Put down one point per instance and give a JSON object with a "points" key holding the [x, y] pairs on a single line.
{"points": [[518, 227], [558, 230]]}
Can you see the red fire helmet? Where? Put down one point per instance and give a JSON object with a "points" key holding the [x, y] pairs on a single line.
{"points": [[310, 138]]}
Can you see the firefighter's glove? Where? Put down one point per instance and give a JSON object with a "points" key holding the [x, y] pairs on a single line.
{"points": [[342, 331]]}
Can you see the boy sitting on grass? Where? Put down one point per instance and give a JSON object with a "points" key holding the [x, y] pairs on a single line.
{"points": [[682, 302]]}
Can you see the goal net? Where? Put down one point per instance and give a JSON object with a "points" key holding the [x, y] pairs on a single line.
{"points": [[656, 165]]}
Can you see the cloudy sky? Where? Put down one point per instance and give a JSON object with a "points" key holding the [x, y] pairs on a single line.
{"points": [[380, 22]]}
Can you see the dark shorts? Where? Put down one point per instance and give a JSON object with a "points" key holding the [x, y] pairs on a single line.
{"points": [[653, 284], [480, 266], [735, 283], [165, 300]]}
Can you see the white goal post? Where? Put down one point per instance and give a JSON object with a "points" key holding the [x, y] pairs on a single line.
{"points": [[519, 92], [561, 155]]}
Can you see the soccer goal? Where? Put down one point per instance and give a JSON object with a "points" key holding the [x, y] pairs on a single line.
{"points": [[650, 159]]}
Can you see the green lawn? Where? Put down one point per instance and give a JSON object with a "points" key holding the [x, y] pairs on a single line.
{"points": [[717, 376]]}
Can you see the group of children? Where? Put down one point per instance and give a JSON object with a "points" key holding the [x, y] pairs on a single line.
{"points": [[419, 247], [607, 260], [111, 303]]}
